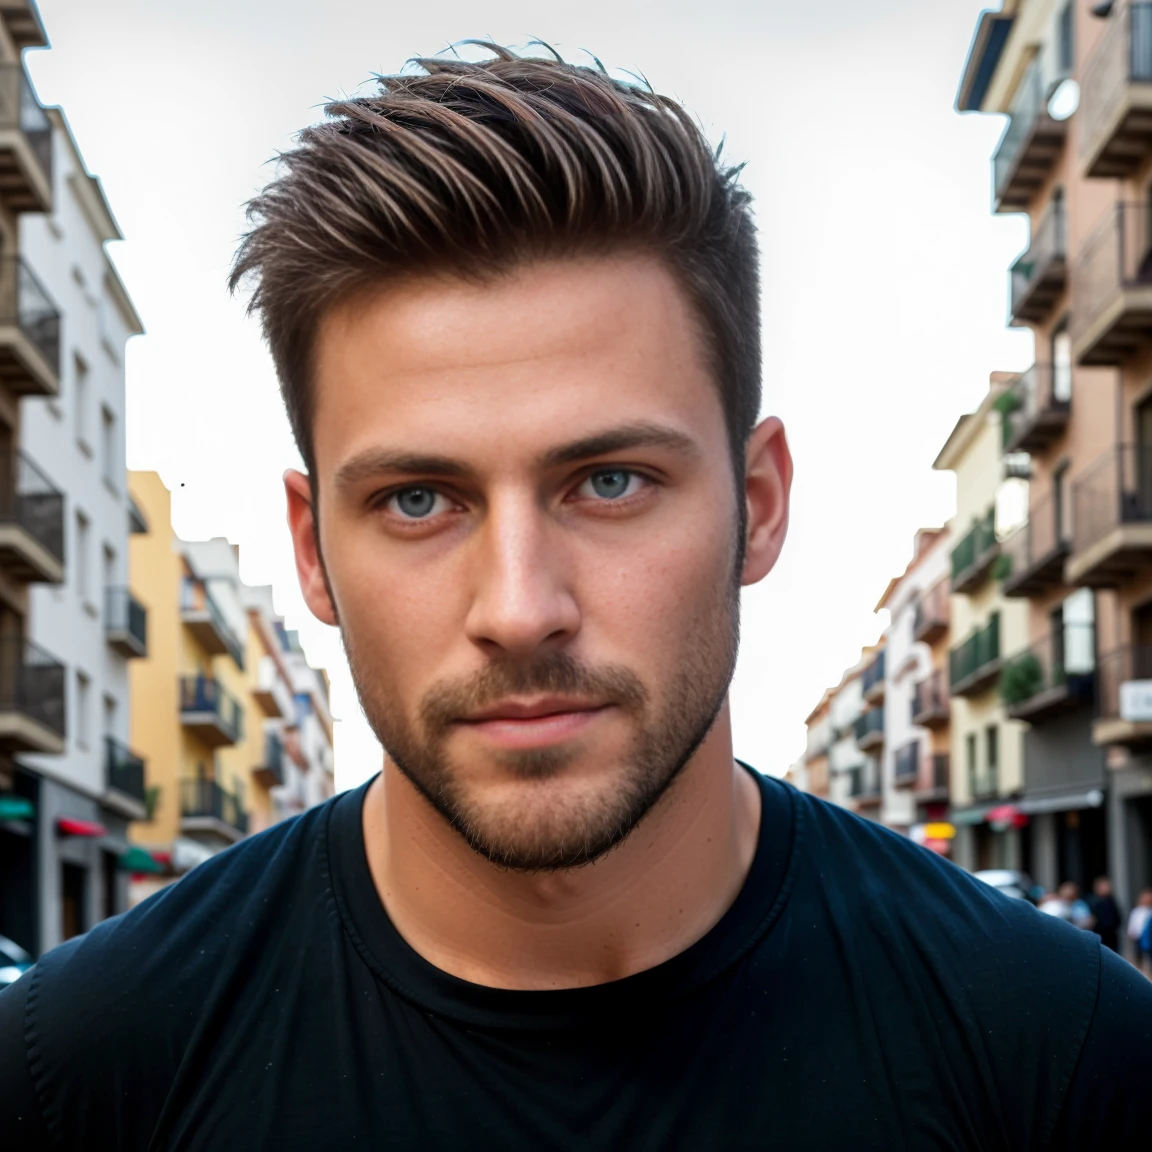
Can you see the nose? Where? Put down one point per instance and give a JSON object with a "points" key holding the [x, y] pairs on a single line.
{"points": [[523, 599]]}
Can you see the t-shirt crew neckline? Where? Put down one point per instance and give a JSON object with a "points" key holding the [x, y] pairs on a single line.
{"points": [[752, 915]]}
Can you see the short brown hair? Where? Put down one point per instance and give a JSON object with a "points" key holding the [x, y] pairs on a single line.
{"points": [[472, 167]]}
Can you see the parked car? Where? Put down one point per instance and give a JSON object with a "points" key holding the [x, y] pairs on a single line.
{"points": [[14, 962], [1018, 885]]}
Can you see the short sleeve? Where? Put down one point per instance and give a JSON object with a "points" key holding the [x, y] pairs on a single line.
{"points": [[21, 1122]]}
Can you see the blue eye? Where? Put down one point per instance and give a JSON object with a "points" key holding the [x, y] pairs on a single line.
{"points": [[415, 503], [611, 484]]}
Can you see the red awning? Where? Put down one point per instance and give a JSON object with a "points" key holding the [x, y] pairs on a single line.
{"points": [[66, 826], [1007, 816]]}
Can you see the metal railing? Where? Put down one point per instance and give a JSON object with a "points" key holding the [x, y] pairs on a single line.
{"points": [[977, 544], [1048, 244], [273, 761], [1117, 257], [205, 798], [869, 723], [195, 597], [1027, 109], [1115, 489], [906, 766], [36, 505], [864, 779], [1131, 662], [874, 673], [1042, 389], [32, 683], [933, 609], [1037, 539], [940, 766], [1123, 57], [200, 694], [1064, 659], [123, 769], [124, 613], [984, 785], [976, 654], [930, 695], [25, 303], [20, 109]]}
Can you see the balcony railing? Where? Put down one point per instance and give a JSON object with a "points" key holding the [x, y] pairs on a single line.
{"points": [[930, 701], [31, 687], [873, 679], [1056, 673], [1112, 287], [28, 183], [123, 770], [1112, 517], [1039, 275], [933, 778], [1115, 669], [33, 510], [125, 622], [973, 665], [972, 557], [1116, 95], [906, 766], [1035, 408], [270, 770], [1029, 147], [203, 616], [1036, 551], [864, 781], [984, 785], [869, 728], [205, 703], [26, 308], [206, 800], [933, 613]]}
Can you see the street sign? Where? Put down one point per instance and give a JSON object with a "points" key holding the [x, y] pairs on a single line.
{"points": [[1136, 701]]}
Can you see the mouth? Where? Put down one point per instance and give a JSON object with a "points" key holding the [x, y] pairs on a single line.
{"points": [[533, 723]]}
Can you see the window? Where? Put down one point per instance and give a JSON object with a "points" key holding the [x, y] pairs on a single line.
{"points": [[1065, 40], [1060, 503], [108, 453], [81, 401], [1061, 350], [110, 707], [970, 757], [83, 711], [83, 544], [109, 567], [992, 745]]}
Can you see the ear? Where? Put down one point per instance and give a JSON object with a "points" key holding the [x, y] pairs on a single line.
{"points": [[767, 487], [306, 544]]}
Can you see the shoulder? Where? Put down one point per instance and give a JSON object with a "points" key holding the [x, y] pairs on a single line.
{"points": [[109, 1015]]}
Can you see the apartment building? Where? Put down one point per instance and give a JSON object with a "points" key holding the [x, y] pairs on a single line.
{"points": [[1076, 157], [987, 745], [914, 771], [854, 771], [815, 774], [235, 724]]}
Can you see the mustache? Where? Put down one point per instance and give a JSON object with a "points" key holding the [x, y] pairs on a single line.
{"points": [[553, 673]]}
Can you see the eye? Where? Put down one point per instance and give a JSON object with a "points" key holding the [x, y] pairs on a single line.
{"points": [[417, 503], [611, 484]]}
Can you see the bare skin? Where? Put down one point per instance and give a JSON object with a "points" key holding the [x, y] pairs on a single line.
{"points": [[491, 397]]}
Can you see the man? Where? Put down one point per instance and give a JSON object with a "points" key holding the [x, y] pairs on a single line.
{"points": [[513, 306], [1105, 913]]}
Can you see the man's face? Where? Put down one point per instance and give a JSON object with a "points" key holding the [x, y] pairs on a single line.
{"points": [[528, 523]]}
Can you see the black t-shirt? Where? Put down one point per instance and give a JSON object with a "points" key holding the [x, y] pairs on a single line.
{"points": [[860, 993]]}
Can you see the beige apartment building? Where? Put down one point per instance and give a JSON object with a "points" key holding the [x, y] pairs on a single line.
{"points": [[1076, 157]]}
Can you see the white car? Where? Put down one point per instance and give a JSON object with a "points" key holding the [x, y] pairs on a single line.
{"points": [[14, 962], [1018, 885]]}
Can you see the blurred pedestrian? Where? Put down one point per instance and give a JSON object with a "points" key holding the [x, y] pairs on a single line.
{"points": [[1067, 905], [1106, 914], [1138, 921]]}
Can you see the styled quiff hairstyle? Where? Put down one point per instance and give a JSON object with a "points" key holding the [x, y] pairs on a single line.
{"points": [[470, 168]]}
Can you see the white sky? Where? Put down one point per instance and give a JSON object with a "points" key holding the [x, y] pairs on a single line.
{"points": [[884, 273]]}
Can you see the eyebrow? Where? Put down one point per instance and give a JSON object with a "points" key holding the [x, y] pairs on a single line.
{"points": [[643, 434]]}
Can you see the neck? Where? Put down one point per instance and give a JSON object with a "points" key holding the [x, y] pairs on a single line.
{"points": [[661, 890]]}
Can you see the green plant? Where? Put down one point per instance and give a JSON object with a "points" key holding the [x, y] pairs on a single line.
{"points": [[1021, 679], [151, 800], [1002, 567]]}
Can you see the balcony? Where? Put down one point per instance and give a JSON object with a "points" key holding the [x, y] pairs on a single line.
{"points": [[869, 729], [930, 702], [974, 665], [1035, 408], [906, 765], [205, 808], [1116, 96], [1112, 287], [932, 784], [270, 770], [31, 698], [984, 785], [31, 526], [202, 617], [272, 692], [1036, 552], [1039, 276], [1028, 149], [25, 144], [123, 780], [125, 623], [1117, 721], [209, 712], [1052, 676], [873, 679], [1112, 518], [864, 783], [29, 332], [973, 556], [933, 614]]}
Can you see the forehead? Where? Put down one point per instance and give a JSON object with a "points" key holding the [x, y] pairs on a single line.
{"points": [[548, 352]]}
